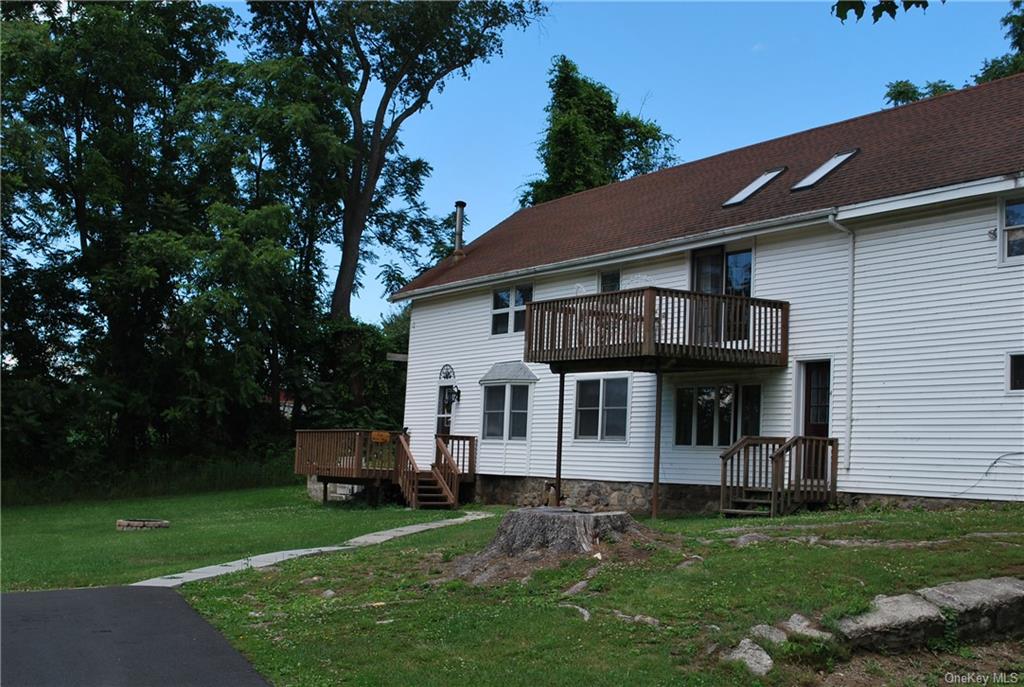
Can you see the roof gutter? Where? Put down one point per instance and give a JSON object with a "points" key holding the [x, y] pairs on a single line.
{"points": [[646, 250]]}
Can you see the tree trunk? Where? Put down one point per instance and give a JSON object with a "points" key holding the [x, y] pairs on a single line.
{"points": [[354, 223]]}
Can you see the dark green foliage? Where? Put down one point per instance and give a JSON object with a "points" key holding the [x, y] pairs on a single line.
{"points": [[880, 9], [588, 142], [164, 215], [902, 92]]}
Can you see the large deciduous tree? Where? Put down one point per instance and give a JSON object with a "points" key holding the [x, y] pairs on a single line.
{"points": [[588, 141], [387, 59]]}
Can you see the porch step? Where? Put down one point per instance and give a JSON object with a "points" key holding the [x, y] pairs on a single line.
{"points": [[755, 501], [743, 511]]}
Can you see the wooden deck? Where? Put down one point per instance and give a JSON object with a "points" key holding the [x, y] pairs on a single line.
{"points": [[653, 329], [382, 457], [771, 476]]}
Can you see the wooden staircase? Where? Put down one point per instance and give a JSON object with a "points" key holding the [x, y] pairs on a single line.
{"points": [[430, 492], [770, 476]]}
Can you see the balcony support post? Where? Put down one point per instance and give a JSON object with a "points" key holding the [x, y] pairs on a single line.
{"points": [[657, 443], [561, 429]]}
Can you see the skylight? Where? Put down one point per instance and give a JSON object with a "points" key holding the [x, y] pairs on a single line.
{"points": [[754, 186], [823, 171]]}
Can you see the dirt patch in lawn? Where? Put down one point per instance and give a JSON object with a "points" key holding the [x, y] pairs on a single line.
{"points": [[992, 662]]}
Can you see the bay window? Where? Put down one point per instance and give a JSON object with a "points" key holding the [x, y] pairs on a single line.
{"points": [[506, 411]]}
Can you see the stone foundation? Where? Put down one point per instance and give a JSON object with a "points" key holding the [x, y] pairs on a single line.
{"points": [[857, 501], [634, 497], [335, 490]]}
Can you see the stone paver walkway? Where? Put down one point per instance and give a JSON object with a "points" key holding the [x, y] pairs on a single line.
{"points": [[265, 559]]}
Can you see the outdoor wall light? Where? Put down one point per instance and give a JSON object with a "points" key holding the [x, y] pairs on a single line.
{"points": [[452, 395], [992, 233]]}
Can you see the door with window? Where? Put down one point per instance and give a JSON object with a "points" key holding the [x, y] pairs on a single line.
{"points": [[816, 403], [816, 398], [445, 401], [720, 273]]}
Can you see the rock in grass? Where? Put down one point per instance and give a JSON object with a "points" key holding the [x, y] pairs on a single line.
{"points": [[576, 588], [799, 625], [746, 540], [982, 607], [752, 656], [584, 613], [689, 561], [768, 633], [328, 594], [893, 623]]}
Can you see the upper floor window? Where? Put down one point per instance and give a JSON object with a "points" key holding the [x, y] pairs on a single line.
{"points": [[601, 408], [609, 281], [508, 308], [1013, 229]]}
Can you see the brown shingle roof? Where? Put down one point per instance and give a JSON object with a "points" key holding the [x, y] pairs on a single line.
{"points": [[970, 134]]}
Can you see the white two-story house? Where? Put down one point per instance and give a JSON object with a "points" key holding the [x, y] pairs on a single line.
{"points": [[840, 310]]}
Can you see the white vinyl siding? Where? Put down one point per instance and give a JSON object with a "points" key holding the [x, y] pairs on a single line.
{"points": [[936, 316]]}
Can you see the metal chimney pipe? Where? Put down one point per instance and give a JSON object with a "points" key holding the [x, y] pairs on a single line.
{"points": [[460, 207]]}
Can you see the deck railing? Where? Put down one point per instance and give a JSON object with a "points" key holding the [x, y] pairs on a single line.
{"points": [[654, 322], [352, 453]]}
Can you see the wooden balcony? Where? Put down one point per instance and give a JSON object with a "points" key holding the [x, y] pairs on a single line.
{"points": [[651, 329]]}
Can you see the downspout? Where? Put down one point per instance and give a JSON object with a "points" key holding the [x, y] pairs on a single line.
{"points": [[851, 285]]}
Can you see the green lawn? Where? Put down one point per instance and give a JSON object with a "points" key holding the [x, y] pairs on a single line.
{"points": [[76, 545], [389, 625]]}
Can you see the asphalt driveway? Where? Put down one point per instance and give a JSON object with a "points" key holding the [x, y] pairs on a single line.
{"points": [[113, 636]]}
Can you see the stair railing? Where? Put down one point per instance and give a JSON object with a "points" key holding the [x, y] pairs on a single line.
{"points": [[747, 464], [804, 470], [446, 471], [406, 470]]}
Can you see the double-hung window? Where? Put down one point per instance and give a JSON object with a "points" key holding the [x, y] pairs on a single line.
{"points": [[1012, 220], [601, 408], [506, 411], [508, 308], [707, 415]]}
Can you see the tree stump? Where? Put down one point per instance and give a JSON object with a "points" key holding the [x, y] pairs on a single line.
{"points": [[558, 530]]}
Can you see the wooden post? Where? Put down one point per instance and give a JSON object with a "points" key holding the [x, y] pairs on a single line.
{"points": [[561, 428], [647, 347], [657, 443]]}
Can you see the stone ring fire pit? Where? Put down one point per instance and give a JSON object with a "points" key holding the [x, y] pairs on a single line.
{"points": [[142, 524]]}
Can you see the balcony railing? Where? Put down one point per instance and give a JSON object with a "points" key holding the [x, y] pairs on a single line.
{"points": [[656, 328]]}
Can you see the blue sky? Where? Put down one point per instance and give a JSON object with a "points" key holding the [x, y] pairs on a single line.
{"points": [[715, 75]]}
